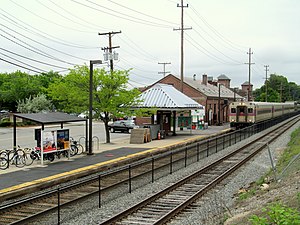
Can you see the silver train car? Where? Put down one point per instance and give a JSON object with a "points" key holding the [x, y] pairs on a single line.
{"points": [[243, 114]]}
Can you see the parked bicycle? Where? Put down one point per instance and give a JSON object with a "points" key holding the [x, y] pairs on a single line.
{"points": [[17, 157], [75, 147]]}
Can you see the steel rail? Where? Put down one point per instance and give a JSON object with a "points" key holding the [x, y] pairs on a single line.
{"points": [[117, 219]]}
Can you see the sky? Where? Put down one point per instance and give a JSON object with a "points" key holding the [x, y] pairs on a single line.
{"points": [[43, 35]]}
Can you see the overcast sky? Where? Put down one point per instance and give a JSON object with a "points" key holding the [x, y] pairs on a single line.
{"points": [[58, 34]]}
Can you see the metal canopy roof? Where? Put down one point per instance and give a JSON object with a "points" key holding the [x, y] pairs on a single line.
{"points": [[164, 96], [49, 117]]}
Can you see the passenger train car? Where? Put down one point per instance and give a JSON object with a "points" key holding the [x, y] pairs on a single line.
{"points": [[243, 114]]}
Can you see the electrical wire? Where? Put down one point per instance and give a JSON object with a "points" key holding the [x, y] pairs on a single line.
{"points": [[218, 34], [50, 21], [40, 33], [135, 20], [40, 43], [19, 61], [19, 66], [176, 24], [37, 51], [34, 60]]}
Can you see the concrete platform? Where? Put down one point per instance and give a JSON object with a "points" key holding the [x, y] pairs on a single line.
{"points": [[18, 181]]}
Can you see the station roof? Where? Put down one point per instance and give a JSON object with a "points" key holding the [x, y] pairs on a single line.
{"points": [[49, 117], [164, 96]]}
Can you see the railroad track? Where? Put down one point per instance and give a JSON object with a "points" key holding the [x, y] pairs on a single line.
{"points": [[32, 208], [163, 206]]}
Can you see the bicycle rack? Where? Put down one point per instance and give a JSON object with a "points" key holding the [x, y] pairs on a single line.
{"points": [[79, 141], [98, 141]]}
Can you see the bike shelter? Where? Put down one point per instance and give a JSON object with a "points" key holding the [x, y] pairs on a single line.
{"points": [[47, 118]]}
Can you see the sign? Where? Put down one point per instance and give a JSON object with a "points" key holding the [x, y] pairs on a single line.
{"points": [[63, 140], [184, 121], [49, 140]]}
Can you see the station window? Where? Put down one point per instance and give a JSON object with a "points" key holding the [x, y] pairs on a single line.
{"points": [[233, 110], [250, 110]]}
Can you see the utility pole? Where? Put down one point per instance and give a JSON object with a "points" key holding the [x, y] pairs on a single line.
{"points": [[164, 72], [182, 29], [266, 83], [281, 89], [110, 48], [249, 63]]}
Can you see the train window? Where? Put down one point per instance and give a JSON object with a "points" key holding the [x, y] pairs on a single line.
{"points": [[233, 110], [242, 110], [250, 110]]}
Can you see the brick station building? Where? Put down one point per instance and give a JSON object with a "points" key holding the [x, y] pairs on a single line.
{"points": [[215, 95]]}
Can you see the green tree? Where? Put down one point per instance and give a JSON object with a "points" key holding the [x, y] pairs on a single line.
{"points": [[36, 104], [278, 90], [18, 86], [111, 97]]}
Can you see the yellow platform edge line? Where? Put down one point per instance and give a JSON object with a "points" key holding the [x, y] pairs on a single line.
{"points": [[31, 183]]}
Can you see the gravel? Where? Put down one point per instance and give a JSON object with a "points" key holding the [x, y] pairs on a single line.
{"points": [[208, 211]]}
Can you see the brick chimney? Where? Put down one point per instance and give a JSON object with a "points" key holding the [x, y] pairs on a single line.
{"points": [[204, 79]]}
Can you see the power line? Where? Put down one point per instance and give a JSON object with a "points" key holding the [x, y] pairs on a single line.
{"points": [[19, 65], [35, 50], [141, 13], [39, 43], [48, 64], [57, 24], [40, 33], [132, 19], [19, 61]]}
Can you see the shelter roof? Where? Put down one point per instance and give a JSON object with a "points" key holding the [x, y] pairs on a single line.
{"points": [[49, 117], [164, 96]]}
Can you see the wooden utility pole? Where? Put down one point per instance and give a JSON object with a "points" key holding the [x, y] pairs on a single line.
{"points": [[266, 83], [281, 89], [110, 48], [249, 63], [164, 72], [182, 38]]}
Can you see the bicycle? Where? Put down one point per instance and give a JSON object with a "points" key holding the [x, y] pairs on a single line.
{"points": [[76, 147], [3, 163], [14, 156]]}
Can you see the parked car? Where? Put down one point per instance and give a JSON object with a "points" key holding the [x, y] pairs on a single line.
{"points": [[122, 125]]}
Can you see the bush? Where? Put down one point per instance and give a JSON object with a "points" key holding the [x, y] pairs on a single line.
{"points": [[277, 214], [5, 123]]}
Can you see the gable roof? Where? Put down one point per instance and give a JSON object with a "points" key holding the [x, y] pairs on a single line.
{"points": [[211, 90], [164, 96]]}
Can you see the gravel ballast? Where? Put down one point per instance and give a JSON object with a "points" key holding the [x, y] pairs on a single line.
{"points": [[207, 211]]}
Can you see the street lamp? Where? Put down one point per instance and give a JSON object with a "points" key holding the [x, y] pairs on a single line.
{"points": [[90, 135]]}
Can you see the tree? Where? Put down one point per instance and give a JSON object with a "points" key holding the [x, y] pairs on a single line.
{"points": [[37, 104], [279, 90], [111, 97], [18, 86]]}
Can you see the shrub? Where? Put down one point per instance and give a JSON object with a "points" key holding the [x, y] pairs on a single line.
{"points": [[277, 214]]}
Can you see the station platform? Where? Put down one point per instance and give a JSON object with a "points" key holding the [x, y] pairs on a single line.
{"points": [[35, 177]]}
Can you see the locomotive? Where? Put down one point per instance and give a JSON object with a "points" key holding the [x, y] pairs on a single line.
{"points": [[244, 114]]}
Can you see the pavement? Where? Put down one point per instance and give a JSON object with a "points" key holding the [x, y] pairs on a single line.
{"points": [[105, 155]]}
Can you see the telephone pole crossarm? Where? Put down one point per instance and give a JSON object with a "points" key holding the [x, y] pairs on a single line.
{"points": [[110, 48]]}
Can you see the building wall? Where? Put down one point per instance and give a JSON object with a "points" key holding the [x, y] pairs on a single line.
{"points": [[209, 103]]}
